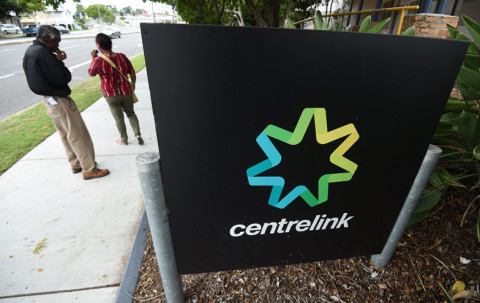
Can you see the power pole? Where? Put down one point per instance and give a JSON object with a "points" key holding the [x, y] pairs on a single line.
{"points": [[99, 16], [153, 12]]}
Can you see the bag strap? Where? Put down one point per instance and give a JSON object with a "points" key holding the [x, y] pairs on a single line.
{"points": [[114, 66]]}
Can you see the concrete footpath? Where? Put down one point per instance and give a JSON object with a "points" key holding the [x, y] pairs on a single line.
{"points": [[89, 225]]}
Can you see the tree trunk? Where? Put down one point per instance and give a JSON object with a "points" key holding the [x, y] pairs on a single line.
{"points": [[271, 13], [256, 14]]}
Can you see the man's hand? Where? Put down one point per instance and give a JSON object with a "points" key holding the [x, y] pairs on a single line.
{"points": [[61, 55]]}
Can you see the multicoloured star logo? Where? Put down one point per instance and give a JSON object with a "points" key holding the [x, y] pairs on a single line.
{"points": [[323, 136]]}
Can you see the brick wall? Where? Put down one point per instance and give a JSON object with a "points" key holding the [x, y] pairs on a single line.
{"points": [[430, 25]]}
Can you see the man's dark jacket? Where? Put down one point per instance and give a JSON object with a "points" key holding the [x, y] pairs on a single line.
{"points": [[46, 75]]}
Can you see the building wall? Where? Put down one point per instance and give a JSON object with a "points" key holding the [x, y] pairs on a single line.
{"points": [[64, 18]]}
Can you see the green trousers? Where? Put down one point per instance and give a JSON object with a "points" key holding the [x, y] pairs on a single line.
{"points": [[118, 105]]}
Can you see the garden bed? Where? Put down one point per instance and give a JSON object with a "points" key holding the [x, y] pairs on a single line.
{"points": [[435, 251]]}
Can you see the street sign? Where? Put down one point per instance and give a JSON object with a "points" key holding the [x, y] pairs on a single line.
{"points": [[284, 146]]}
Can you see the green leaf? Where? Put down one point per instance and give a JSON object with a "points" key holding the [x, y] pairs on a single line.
{"points": [[365, 24], [339, 25], [472, 49], [378, 27], [476, 152], [473, 28], [458, 105], [319, 24], [470, 78], [347, 29], [290, 24], [447, 296], [409, 31], [447, 178], [418, 217], [452, 142], [453, 31], [449, 118], [472, 61], [478, 226], [428, 201], [467, 92], [435, 179]]}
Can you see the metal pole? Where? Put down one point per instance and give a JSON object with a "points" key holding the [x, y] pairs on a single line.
{"points": [[148, 167], [378, 5], [99, 16], [423, 175], [360, 6], [153, 12], [400, 23]]}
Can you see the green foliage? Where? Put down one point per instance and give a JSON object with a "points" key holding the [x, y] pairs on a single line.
{"points": [[139, 11], [365, 27], [409, 31], [19, 7], [447, 295], [458, 131], [127, 10], [319, 23], [105, 14]]}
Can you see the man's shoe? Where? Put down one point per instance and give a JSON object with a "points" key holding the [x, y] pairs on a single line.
{"points": [[97, 173], [76, 170]]}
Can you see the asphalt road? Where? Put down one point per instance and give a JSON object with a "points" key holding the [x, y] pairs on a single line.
{"points": [[16, 95]]}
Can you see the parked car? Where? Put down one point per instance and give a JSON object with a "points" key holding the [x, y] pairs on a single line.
{"points": [[31, 30], [62, 29], [110, 31], [10, 29]]}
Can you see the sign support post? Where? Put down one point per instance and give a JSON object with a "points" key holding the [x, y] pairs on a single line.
{"points": [[423, 175], [148, 167]]}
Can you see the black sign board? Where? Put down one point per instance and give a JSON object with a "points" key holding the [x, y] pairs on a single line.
{"points": [[285, 146]]}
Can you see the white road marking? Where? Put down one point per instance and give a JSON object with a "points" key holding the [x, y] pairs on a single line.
{"points": [[69, 47], [140, 45], [6, 76], [6, 50], [78, 65]]}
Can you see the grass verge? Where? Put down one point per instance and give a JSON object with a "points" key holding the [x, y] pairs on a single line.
{"points": [[21, 133]]}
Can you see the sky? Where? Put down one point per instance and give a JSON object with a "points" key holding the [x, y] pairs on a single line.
{"points": [[158, 7]]}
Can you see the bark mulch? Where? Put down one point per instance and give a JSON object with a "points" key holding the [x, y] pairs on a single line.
{"points": [[434, 251]]}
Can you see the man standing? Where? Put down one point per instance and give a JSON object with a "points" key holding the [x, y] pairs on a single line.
{"points": [[47, 76]]}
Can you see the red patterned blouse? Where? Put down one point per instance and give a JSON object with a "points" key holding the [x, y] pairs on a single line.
{"points": [[113, 83]]}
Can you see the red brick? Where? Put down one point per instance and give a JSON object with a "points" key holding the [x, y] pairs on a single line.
{"points": [[417, 30], [450, 19], [432, 18], [420, 35], [421, 24], [439, 37], [418, 18], [428, 31], [438, 25], [444, 32]]}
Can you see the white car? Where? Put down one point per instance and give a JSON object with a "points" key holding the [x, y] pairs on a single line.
{"points": [[10, 29], [110, 31]]}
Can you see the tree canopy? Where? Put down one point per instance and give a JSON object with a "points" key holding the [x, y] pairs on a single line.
{"points": [[105, 14], [265, 13], [19, 7]]}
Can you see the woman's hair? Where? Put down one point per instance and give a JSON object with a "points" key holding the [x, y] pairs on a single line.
{"points": [[47, 33], [104, 41]]}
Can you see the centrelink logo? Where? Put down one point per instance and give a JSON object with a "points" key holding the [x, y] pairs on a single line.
{"points": [[323, 136]]}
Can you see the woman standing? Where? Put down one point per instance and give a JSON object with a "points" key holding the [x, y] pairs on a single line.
{"points": [[115, 86]]}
